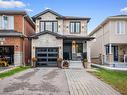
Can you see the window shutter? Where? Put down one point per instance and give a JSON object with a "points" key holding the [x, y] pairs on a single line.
{"points": [[0, 22], [11, 22]]}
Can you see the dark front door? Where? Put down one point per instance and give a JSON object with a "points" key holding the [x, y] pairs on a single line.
{"points": [[115, 53], [7, 52], [67, 51], [46, 56]]}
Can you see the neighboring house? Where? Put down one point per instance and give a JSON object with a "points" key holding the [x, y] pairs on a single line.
{"points": [[110, 41], [15, 27], [59, 36]]}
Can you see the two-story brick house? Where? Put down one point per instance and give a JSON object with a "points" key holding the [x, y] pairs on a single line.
{"points": [[110, 40], [15, 27], [59, 36]]}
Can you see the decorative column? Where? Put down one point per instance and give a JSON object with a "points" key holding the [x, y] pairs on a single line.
{"points": [[73, 47], [110, 56], [88, 54]]}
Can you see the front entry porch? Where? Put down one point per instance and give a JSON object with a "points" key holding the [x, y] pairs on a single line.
{"points": [[73, 49], [115, 54]]}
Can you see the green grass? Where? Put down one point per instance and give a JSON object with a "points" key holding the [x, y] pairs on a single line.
{"points": [[117, 79], [12, 72]]}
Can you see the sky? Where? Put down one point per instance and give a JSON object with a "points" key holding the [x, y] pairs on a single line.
{"points": [[97, 10]]}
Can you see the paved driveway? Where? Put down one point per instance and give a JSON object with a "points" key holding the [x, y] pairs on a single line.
{"points": [[38, 81], [54, 81], [82, 83]]}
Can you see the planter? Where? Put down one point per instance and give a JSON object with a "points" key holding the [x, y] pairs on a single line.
{"points": [[85, 64], [65, 64], [59, 62]]}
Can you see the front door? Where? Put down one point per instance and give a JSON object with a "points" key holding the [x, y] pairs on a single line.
{"points": [[67, 51], [115, 53]]}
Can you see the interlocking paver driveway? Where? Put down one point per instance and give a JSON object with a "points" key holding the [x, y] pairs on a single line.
{"points": [[38, 81], [82, 83]]}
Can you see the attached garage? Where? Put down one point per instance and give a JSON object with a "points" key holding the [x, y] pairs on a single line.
{"points": [[47, 47], [7, 52], [46, 56]]}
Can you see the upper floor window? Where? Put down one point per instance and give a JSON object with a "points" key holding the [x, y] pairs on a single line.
{"points": [[120, 27], [49, 25], [6, 22], [75, 27]]}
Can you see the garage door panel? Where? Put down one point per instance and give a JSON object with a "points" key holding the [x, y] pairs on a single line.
{"points": [[47, 56]]}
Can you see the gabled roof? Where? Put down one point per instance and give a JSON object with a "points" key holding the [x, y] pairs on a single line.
{"points": [[61, 16], [119, 16], [116, 17], [46, 11], [35, 36], [71, 37]]}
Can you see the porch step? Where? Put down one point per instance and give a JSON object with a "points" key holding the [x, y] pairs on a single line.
{"points": [[76, 64], [75, 57]]}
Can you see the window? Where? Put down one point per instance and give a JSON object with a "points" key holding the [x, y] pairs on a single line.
{"points": [[49, 25], [79, 48], [75, 27], [120, 27], [6, 22]]}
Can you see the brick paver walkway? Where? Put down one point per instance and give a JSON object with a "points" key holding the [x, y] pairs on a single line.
{"points": [[82, 83]]}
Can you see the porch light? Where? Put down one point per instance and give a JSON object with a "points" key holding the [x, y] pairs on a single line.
{"points": [[16, 46], [1, 43], [73, 44], [33, 47]]}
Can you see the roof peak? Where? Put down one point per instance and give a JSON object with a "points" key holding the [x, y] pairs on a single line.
{"points": [[46, 11]]}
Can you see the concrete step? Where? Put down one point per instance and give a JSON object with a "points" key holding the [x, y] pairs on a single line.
{"points": [[76, 64]]}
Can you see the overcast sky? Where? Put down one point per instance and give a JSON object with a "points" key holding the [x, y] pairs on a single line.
{"points": [[97, 10]]}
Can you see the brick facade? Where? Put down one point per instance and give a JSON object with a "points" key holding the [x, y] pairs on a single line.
{"points": [[22, 45]]}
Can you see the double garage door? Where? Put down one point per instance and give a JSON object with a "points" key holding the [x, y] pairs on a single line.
{"points": [[46, 56]]}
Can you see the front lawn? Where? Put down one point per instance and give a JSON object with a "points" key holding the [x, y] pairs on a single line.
{"points": [[117, 79], [13, 71]]}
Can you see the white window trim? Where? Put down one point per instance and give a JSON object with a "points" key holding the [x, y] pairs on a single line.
{"points": [[9, 22], [124, 26]]}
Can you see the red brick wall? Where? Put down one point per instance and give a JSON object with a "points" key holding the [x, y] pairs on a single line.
{"points": [[14, 41], [29, 30], [20, 44], [18, 23]]}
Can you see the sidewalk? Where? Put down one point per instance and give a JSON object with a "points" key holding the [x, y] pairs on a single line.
{"points": [[110, 68]]}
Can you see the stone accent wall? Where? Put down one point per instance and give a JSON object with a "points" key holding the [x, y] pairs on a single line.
{"points": [[47, 40], [63, 25]]}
